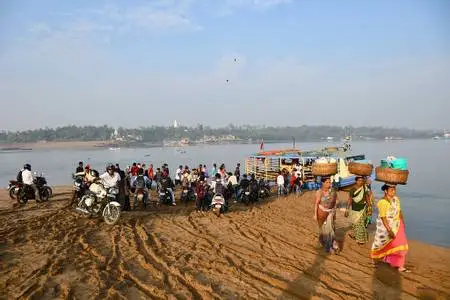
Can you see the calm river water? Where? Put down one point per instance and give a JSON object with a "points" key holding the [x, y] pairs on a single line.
{"points": [[425, 200]]}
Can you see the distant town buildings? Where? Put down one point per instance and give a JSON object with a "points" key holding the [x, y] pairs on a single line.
{"points": [[115, 136]]}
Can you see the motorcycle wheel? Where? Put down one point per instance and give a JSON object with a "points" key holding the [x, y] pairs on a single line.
{"points": [[22, 199], [218, 211], [11, 193], [50, 191], [43, 195], [111, 214], [81, 204]]}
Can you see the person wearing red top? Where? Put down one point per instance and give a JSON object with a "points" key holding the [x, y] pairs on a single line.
{"points": [[292, 182], [150, 172], [134, 170]]}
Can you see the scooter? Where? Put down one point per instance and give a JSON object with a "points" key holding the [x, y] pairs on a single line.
{"points": [[218, 204]]}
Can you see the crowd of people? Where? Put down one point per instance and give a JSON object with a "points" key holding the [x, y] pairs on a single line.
{"points": [[198, 181]]}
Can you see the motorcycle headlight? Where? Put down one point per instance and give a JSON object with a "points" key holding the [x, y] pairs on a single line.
{"points": [[88, 201]]}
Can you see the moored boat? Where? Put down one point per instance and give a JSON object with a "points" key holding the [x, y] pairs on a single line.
{"points": [[267, 164]]}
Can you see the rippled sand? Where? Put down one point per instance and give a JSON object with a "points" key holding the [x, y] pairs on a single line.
{"points": [[266, 251]]}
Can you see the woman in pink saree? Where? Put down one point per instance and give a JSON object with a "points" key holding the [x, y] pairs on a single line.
{"points": [[390, 244]]}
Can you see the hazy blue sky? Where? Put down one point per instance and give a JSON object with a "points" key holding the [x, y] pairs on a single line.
{"points": [[134, 63]]}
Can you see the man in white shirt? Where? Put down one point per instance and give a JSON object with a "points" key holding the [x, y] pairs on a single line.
{"points": [[178, 173], [232, 179], [298, 173], [280, 183], [28, 179], [110, 178]]}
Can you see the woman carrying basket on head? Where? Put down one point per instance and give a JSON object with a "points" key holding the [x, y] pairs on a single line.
{"points": [[390, 243], [325, 214], [359, 207]]}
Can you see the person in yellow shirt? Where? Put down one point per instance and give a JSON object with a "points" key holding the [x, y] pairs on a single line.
{"points": [[390, 244]]}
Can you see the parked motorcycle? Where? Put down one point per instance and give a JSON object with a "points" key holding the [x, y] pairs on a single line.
{"points": [[187, 195], [99, 201], [245, 197], [264, 189], [218, 204]]}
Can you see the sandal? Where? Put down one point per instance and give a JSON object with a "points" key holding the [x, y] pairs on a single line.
{"points": [[404, 270]]}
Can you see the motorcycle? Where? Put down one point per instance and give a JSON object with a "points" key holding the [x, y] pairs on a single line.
{"points": [[41, 181], [218, 204], [188, 194], [79, 188], [13, 188], [100, 201], [264, 189], [26, 192], [141, 196], [165, 197], [245, 197]]}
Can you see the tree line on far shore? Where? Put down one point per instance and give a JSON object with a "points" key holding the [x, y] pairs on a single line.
{"points": [[157, 134]]}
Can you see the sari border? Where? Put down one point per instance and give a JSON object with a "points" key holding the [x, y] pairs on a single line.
{"points": [[374, 254]]}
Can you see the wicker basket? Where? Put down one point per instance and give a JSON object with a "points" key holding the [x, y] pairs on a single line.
{"points": [[324, 169], [360, 169], [392, 176]]}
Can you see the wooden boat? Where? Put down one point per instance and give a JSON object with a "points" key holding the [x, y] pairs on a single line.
{"points": [[267, 164]]}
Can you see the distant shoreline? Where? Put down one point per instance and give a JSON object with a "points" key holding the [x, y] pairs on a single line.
{"points": [[54, 145], [16, 147]]}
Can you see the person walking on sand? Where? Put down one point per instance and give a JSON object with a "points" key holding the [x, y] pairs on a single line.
{"points": [[280, 183], [358, 209], [390, 244], [325, 215]]}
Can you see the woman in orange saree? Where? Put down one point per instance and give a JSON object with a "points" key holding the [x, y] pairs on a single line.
{"points": [[390, 244]]}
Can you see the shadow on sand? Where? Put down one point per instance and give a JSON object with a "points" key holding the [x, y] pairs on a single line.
{"points": [[386, 283], [306, 285]]}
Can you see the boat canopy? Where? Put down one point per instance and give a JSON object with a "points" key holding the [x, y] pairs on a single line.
{"points": [[295, 153]]}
